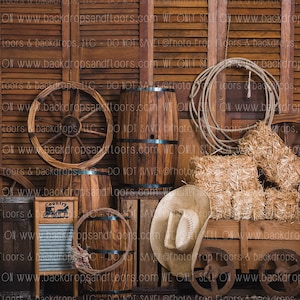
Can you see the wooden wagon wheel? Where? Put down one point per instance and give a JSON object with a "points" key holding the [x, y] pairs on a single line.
{"points": [[15, 180], [279, 273], [67, 119], [214, 273]]}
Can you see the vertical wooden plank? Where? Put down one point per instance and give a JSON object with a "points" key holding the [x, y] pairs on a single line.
{"points": [[221, 55], [244, 245], [75, 37], [148, 265], [36, 249], [222, 30], [130, 208], [190, 144], [212, 48], [212, 39], [65, 13], [287, 56], [146, 37]]}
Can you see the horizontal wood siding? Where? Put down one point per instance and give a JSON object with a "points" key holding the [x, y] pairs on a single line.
{"points": [[109, 52], [180, 44], [254, 33], [31, 59], [102, 44]]}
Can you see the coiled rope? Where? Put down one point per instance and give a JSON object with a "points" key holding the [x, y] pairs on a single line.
{"points": [[202, 112], [81, 257]]}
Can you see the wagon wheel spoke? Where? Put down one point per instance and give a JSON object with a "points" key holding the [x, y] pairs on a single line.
{"points": [[15, 181], [294, 268], [288, 287], [83, 146], [52, 98], [45, 121], [11, 188], [86, 116], [101, 134], [75, 111], [214, 286], [51, 139], [68, 144]]}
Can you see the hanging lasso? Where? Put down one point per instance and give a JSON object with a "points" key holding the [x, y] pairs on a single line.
{"points": [[81, 257], [202, 113]]}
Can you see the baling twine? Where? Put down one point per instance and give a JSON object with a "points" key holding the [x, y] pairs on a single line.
{"points": [[202, 113]]}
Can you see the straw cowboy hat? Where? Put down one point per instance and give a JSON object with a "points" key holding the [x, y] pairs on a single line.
{"points": [[177, 229]]}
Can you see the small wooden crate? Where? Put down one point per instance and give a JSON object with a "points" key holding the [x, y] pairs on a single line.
{"points": [[55, 218], [140, 206]]}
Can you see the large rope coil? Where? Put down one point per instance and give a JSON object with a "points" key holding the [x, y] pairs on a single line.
{"points": [[202, 112], [81, 257]]}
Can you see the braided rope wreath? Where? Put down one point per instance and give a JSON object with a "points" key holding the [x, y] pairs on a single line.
{"points": [[81, 257], [202, 112]]}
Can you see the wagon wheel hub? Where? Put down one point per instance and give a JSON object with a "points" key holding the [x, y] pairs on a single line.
{"points": [[70, 126], [214, 272]]}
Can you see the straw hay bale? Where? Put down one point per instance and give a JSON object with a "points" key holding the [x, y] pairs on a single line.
{"points": [[277, 161], [220, 204], [215, 174], [281, 205], [248, 204]]}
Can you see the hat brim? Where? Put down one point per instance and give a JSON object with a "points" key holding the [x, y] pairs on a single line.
{"points": [[185, 197]]}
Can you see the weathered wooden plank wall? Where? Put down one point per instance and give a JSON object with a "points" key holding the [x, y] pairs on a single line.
{"points": [[112, 44]]}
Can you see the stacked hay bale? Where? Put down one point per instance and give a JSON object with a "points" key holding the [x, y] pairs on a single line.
{"points": [[232, 184], [281, 168]]}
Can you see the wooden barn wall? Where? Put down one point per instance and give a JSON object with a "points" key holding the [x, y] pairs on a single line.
{"points": [[111, 44]]}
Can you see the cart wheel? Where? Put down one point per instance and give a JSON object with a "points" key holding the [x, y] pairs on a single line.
{"points": [[214, 273], [66, 125], [279, 273], [14, 182]]}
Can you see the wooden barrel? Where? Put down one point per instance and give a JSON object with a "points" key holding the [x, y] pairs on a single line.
{"points": [[16, 247], [93, 187], [147, 137], [107, 240]]}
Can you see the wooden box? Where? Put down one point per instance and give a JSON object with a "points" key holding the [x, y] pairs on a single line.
{"points": [[139, 206]]}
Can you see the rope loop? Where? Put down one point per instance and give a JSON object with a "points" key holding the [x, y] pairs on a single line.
{"points": [[81, 257], [202, 111]]}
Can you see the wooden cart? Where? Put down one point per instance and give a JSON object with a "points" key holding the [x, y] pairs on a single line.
{"points": [[268, 246], [271, 247]]}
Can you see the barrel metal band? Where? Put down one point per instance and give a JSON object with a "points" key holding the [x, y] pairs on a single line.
{"points": [[101, 251], [81, 172], [147, 186], [111, 292], [148, 141], [105, 218], [150, 89]]}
